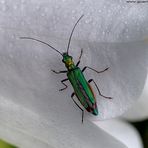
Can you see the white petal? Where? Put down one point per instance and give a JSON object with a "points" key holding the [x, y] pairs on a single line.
{"points": [[26, 79], [139, 111], [24, 128], [123, 131]]}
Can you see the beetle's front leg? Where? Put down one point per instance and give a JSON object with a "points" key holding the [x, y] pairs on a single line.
{"points": [[72, 95], [79, 57], [91, 80], [63, 84], [58, 72]]}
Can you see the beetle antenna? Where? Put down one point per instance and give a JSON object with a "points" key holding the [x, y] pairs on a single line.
{"points": [[29, 38], [72, 32]]}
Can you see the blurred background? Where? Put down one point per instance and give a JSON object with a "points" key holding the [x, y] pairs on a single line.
{"points": [[138, 115], [142, 127]]}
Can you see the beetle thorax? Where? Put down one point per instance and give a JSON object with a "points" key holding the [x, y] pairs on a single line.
{"points": [[68, 61]]}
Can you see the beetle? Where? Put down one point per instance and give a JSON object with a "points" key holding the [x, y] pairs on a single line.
{"points": [[82, 88]]}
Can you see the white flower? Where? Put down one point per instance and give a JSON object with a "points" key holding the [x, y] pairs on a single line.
{"points": [[32, 110]]}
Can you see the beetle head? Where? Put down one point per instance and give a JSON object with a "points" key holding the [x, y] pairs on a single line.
{"points": [[68, 61]]}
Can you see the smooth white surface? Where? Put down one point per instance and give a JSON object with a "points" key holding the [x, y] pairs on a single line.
{"points": [[111, 34], [21, 139], [25, 128], [26, 65], [139, 111], [123, 131]]}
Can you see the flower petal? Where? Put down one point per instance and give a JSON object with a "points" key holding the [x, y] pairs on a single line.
{"points": [[139, 111], [29, 90], [123, 131]]}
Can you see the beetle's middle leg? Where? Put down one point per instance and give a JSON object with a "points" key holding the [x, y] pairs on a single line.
{"points": [[63, 84], [91, 80], [72, 95], [94, 69]]}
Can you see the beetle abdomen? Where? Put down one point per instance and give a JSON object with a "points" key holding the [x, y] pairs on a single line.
{"points": [[83, 90], [91, 106]]}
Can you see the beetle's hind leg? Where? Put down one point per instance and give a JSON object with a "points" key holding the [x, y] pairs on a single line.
{"points": [[63, 84], [72, 95], [91, 80]]}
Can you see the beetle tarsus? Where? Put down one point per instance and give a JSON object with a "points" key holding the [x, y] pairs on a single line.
{"points": [[63, 84], [58, 72], [72, 95], [91, 80], [94, 69]]}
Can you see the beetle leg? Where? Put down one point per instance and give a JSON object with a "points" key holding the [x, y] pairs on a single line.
{"points": [[63, 84], [80, 57], [58, 72], [72, 95], [89, 81], [94, 69]]}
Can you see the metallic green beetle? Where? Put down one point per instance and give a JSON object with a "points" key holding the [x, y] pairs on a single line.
{"points": [[81, 86]]}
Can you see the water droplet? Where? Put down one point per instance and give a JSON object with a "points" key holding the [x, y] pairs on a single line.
{"points": [[11, 56], [88, 20], [138, 29], [10, 45], [126, 30], [13, 36], [22, 23], [2, 1], [57, 6], [99, 11], [22, 1], [36, 57], [37, 7], [73, 11], [4, 8], [15, 7], [94, 23], [104, 7], [125, 22], [109, 11], [81, 2], [42, 14], [103, 32], [127, 36]]}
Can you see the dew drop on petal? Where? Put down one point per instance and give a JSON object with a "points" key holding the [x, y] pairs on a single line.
{"points": [[4, 8], [22, 1], [81, 2], [73, 11], [57, 6], [126, 30], [127, 36], [11, 56], [2, 2], [125, 22], [37, 7], [99, 11], [15, 7], [103, 32], [42, 14]]}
